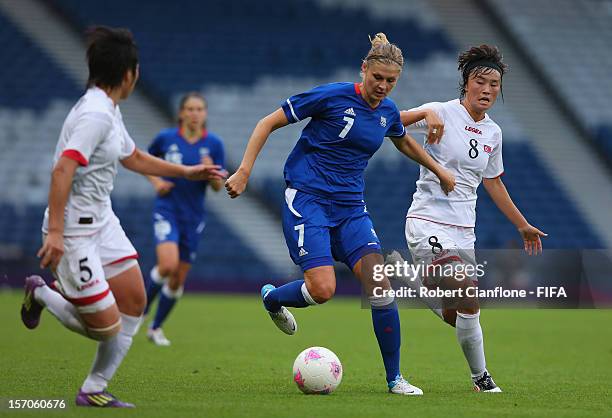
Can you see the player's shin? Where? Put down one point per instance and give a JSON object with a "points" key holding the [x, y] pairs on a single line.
{"points": [[293, 294], [469, 335], [167, 300], [385, 318], [156, 281], [110, 354]]}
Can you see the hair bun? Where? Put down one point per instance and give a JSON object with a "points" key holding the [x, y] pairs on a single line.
{"points": [[379, 39]]}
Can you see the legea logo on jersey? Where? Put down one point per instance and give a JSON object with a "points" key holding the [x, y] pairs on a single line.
{"points": [[383, 121], [488, 149], [173, 155], [471, 129]]}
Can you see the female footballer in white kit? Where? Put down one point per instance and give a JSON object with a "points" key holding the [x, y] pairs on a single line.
{"points": [[99, 291], [440, 227]]}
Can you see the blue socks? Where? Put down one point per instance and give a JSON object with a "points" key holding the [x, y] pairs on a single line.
{"points": [[167, 300], [387, 329], [154, 285], [290, 295]]}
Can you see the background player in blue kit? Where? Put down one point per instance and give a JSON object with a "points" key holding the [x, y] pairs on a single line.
{"points": [[179, 213], [325, 216]]}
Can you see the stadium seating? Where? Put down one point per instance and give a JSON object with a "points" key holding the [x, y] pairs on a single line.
{"points": [[227, 52], [570, 40], [222, 255], [244, 77], [534, 191], [29, 78]]}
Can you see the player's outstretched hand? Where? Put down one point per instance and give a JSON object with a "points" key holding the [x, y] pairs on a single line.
{"points": [[435, 127], [236, 184], [52, 250], [204, 172], [531, 239], [447, 181]]}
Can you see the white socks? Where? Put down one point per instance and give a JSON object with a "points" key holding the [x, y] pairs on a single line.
{"points": [[110, 354], [156, 278], [309, 300], [469, 335], [60, 308], [172, 294]]}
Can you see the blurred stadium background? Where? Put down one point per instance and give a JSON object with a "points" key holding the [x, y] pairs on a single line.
{"points": [[247, 57]]}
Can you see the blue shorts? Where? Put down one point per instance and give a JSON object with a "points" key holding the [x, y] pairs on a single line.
{"points": [[167, 228], [319, 230]]}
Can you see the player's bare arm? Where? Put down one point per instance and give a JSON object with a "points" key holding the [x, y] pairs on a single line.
{"points": [[237, 182], [216, 184], [530, 234], [435, 125], [162, 187], [144, 163], [61, 181], [411, 148]]}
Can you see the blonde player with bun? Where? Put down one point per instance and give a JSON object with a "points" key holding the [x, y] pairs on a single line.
{"points": [[439, 226], [325, 216], [99, 290]]}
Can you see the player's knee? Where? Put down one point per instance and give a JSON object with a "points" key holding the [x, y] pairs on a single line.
{"points": [[167, 269], [449, 316], [139, 303], [322, 293], [136, 305], [175, 283], [468, 306], [104, 333]]}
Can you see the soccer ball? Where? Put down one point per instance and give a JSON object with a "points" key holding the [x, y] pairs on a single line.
{"points": [[317, 370]]}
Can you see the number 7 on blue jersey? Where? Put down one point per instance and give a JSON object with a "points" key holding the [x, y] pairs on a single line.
{"points": [[347, 128]]}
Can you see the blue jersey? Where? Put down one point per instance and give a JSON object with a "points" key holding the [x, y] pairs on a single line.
{"points": [[344, 132], [186, 199]]}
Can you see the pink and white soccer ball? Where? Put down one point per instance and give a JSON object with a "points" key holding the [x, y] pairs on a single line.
{"points": [[317, 370]]}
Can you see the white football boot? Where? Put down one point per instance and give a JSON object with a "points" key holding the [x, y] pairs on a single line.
{"points": [[400, 386], [157, 337], [283, 319]]}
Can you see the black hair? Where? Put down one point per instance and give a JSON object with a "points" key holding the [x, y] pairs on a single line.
{"points": [[191, 95], [111, 52], [480, 60]]}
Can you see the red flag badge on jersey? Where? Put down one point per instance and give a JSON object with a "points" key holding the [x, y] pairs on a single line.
{"points": [[488, 149]]}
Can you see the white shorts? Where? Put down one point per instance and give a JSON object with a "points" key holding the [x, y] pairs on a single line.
{"points": [[436, 244], [89, 261]]}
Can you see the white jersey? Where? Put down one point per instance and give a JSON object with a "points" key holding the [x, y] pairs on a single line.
{"points": [[94, 135], [470, 151]]}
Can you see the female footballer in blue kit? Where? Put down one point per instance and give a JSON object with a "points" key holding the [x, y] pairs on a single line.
{"points": [[179, 213], [325, 217]]}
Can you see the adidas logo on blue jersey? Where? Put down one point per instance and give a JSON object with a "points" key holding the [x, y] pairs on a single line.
{"points": [[303, 252], [350, 111]]}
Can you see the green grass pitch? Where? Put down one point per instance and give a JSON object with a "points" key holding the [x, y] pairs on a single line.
{"points": [[229, 360]]}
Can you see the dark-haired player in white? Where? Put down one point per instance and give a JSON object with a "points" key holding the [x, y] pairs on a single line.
{"points": [[99, 291], [439, 226]]}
